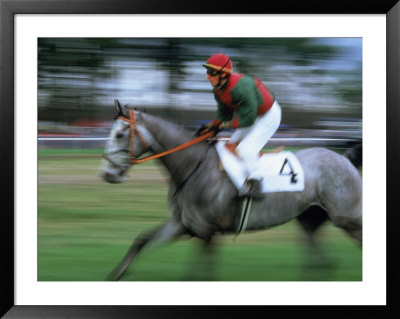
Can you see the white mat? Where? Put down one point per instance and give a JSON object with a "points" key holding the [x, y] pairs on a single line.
{"points": [[282, 171]]}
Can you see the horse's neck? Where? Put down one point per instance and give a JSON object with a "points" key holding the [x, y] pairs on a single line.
{"points": [[166, 136]]}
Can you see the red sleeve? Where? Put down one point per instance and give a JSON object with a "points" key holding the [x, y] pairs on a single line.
{"points": [[235, 123], [216, 122]]}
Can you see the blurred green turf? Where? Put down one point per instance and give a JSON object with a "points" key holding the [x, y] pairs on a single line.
{"points": [[85, 226]]}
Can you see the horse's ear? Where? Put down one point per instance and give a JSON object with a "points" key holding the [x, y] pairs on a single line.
{"points": [[122, 110]]}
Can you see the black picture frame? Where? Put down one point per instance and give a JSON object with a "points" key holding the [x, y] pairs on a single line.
{"points": [[8, 10]]}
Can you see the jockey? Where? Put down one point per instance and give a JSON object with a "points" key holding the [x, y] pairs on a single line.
{"points": [[248, 106]]}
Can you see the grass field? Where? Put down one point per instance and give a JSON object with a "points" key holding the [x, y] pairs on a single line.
{"points": [[85, 226]]}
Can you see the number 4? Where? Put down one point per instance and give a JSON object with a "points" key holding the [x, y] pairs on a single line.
{"points": [[293, 179]]}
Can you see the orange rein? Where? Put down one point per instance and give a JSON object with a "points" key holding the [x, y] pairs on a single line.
{"points": [[133, 129]]}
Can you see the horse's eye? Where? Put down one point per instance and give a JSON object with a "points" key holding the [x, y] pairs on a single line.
{"points": [[119, 135]]}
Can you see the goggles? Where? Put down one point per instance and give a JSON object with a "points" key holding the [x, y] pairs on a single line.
{"points": [[212, 72]]}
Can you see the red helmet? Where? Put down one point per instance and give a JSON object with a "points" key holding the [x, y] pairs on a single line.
{"points": [[219, 62]]}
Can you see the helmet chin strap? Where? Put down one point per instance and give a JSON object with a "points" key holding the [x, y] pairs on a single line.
{"points": [[221, 82]]}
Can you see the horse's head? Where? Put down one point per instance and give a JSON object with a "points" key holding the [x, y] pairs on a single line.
{"points": [[128, 140]]}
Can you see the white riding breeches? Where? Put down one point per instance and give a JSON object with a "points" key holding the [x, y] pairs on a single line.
{"points": [[253, 138]]}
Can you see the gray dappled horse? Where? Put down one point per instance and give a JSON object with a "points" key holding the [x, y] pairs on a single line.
{"points": [[203, 201]]}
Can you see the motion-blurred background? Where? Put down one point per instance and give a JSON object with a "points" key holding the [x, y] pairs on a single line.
{"points": [[85, 225], [317, 81]]}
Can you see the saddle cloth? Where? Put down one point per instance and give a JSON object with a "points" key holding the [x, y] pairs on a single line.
{"points": [[282, 172]]}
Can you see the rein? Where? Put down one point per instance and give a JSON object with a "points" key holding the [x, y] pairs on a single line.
{"points": [[134, 130]]}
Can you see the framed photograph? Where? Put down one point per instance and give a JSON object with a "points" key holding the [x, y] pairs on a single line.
{"points": [[150, 52]]}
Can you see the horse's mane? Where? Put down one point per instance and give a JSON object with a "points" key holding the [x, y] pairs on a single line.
{"points": [[160, 126]]}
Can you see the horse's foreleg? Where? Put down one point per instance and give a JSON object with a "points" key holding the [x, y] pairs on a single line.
{"points": [[164, 233], [202, 267]]}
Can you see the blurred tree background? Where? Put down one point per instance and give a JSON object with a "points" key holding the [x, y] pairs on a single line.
{"points": [[312, 78]]}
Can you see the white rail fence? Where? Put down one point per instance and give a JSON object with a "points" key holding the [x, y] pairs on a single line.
{"points": [[99, 142]]}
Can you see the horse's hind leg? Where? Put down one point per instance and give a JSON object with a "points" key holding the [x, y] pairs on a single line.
{"points": [[311, 220], [346, 213], [353, 226], [340, 193], [166, 232]]}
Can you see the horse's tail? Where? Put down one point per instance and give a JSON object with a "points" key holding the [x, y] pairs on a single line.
{"points": [[354, 155]]}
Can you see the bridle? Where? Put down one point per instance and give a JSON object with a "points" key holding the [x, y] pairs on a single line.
{"points": [[134, 131]]}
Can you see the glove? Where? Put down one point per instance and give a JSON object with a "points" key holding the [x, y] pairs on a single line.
{"points": [[216, 129], [202, 130]]}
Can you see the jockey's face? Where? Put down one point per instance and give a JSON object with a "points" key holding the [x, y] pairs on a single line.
{"points": [[214, 79]]}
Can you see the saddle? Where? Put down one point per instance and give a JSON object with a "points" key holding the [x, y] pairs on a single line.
{"points": [[231, 147], [281, 170]]}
